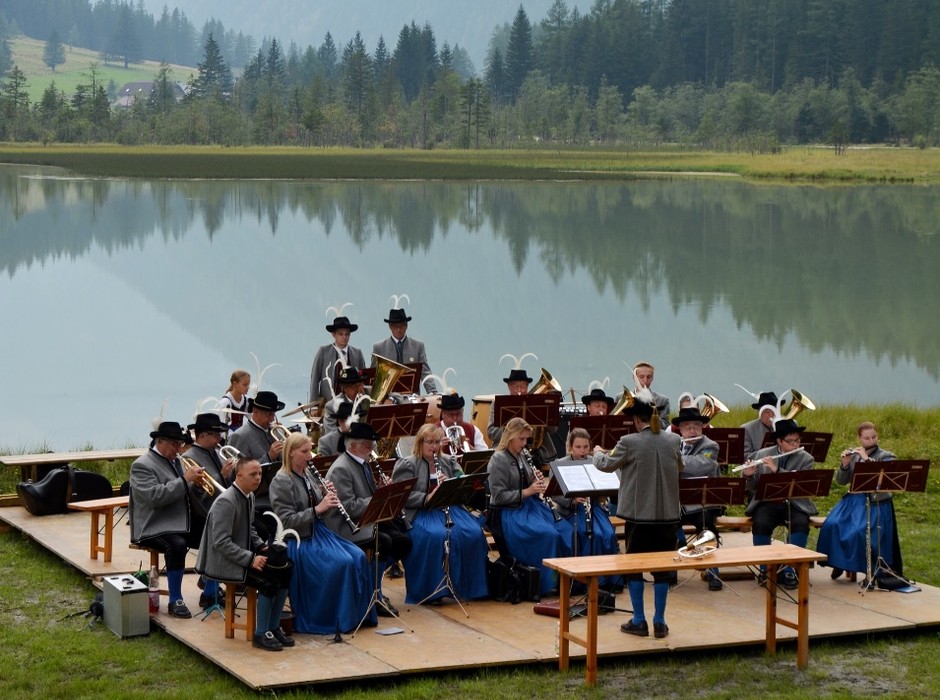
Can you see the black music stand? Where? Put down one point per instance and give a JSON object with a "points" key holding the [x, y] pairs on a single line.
{"points": [[455, 491], [386, 504], [817, 444], [891, 476], [730, 443], [475, 462], [605, 431], [538, 410], [397, 420]]}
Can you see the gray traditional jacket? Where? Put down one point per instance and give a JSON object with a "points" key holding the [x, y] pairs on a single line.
{"points": [[229, 540], [254, 441], [649, 465], [292, 503], [701, 461], [355, 492], [411, 467], [754, 432], [412, 352], [159, 497], [793, 462], [324, 365]]}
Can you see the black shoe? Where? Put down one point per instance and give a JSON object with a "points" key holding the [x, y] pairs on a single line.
{"points": [[395, 571], [638, 629], [836, 573], [179, 609], [266, 641], [201, 582], [282, 637], [762, 580], [207, 601], [788, 580], [660, 629], [714, 583], [386, 610]]}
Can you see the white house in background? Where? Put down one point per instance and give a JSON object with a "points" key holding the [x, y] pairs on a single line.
{"points": [[140, 90]]}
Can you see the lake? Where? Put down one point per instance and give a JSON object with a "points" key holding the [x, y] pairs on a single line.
{"points": [[117, 295]]}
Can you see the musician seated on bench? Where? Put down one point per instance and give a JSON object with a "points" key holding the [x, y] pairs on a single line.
{"points": [[785, 456], [231, 550]]}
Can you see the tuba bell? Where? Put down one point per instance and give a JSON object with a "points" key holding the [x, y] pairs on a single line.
{"points": [[545, 385], [712, 406], [799, 403], [387, 373]]}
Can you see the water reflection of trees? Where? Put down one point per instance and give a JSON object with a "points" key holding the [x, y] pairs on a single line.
{"points": [[852, 269]]}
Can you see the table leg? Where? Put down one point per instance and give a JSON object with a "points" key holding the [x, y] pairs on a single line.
{"points": [[802, 634], [592, 610], [771, 629], [108, 529], [564, 592], [94, 534]]}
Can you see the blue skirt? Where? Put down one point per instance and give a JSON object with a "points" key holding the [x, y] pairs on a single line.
{"points": [[424, 565], [331, 585], [842, 536], [532, 535]]}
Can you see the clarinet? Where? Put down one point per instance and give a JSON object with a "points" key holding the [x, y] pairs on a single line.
{"points": [[328, 488], [382, 478], [537, 475]]}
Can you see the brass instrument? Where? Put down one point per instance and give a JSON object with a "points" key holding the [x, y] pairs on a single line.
{"points": [[701, 547], [540, 478], [205, 480], [798, 404], [755, 462], [712, 406], [457, 442], [328, 488], [279, 432], [228, 452], [627, 399], [387, 374]]}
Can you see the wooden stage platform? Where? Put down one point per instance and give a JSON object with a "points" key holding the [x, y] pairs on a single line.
{"points": [[495, 634]]}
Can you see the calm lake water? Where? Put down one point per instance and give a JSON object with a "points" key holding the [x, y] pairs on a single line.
{"points": [[117, 295]]}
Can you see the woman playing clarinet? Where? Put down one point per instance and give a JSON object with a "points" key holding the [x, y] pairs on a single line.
{"points": [[525, 524], [332, 585], [467, 549]]}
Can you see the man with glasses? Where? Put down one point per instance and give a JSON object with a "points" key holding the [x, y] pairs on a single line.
{"points": [[785, 456]]}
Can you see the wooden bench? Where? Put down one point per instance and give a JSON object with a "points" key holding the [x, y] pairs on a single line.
{"points": [[742, 523], [29, 463], [97, 507], [589, 570]]}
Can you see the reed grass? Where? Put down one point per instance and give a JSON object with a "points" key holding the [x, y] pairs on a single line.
{"points": [[46, 653], [803, 164]]}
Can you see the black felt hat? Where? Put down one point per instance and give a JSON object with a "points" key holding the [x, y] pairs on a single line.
{"points": [[785, 426], [397, 316], [341, 322], [171, 430], [361, 431], [766, 398], [267, 401], [690, 413], [208, 423], [598, 395], [518, 375], [452, 402]]}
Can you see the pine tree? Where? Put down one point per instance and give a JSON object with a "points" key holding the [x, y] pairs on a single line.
{"points": [[54, 53], [520, 58], [215, 78]]}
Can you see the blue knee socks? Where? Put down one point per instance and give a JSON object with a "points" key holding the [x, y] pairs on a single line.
{"points": [[636, 600], [174, 584], [660, 592]]}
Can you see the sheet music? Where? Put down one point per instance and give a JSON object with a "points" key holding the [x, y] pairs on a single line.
{"points": [[603, 481], [585, 477]]}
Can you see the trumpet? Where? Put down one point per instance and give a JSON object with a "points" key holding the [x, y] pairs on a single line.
{"points": [[540, 478], [279, 432], [755, 462], [701, 547], [328, 488], [457, 442], [227, 452], [204, 480]]}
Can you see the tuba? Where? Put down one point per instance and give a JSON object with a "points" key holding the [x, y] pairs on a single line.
{"points": [[545, 385], [712, 406], [387, 374], [798, 404]]}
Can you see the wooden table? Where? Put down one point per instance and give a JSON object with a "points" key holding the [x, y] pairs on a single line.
{"points": [[44, 458], [589, 569], [107, 506]]}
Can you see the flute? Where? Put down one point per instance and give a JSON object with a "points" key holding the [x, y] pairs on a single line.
{"points": [[755, 462]]}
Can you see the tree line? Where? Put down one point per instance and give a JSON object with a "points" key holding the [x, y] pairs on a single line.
{"points": [[751, 74]]}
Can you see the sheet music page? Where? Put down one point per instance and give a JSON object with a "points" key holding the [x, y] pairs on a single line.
{"points": [[603, 481], [575, 478]]}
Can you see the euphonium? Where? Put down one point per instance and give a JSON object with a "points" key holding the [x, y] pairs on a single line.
{"points": [[701, 547], [205, 480], [626, 401], [798, 404], [712, 406], [387, 373]]}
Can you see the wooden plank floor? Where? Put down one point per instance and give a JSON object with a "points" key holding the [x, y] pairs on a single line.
{"points": [[495, 633]]}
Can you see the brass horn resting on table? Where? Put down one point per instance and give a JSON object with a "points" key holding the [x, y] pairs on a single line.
{"points": [[799, 403], [701, 547], [205, 480]]}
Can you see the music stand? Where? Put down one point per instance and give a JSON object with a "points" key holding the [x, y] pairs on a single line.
{"points": [[711, 491], [386, 504], [891, 476], [730, 444], [454, 491], [397, 420], [475, 462], [538, 410], [605, 431], [323, 463]]}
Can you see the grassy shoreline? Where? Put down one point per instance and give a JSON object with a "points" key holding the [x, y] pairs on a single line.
{"points": [[801, 164]]}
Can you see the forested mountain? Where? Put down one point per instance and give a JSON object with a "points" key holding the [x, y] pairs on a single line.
{"points": [[751, 74]]}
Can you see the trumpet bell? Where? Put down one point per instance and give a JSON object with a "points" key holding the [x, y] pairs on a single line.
{"points": [[704, 545], [798, 404]]}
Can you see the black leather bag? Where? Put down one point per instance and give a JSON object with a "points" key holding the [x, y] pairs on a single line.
{"points": [[512, 581]]}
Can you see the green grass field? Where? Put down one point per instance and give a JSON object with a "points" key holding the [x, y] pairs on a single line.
{"points": [[27, 54]]}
